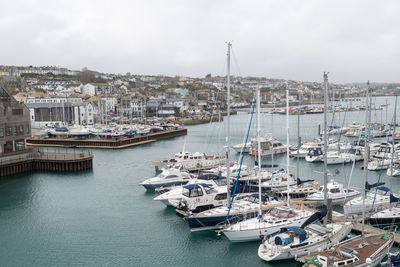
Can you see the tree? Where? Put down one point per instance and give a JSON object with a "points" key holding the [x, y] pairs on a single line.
{"points": [[208, 76]]}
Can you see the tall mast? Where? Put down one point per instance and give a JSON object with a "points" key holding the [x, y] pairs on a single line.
{"points": [[393, 136], [259, 149], [272, 133], [366, 156], [325, 142], [298, 140], [287, 144], [228, 122]]}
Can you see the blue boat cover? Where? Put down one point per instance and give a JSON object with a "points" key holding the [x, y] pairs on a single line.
{"points": [[297, 230], [210, 177], [316, 216], [369, 186], [299, 182], [193, 186], [393, 199]]}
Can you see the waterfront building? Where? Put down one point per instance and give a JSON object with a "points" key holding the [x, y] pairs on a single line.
{"points": [[14, 124]]}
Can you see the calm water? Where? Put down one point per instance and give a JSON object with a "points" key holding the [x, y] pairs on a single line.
{"points": [[103, 218]]}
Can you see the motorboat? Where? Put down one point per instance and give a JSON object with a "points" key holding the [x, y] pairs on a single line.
{"points": [[173, 196], [379, 164], [394, 170], [315, 155], [304, 148], [279, 181], [199, 197], [351, 155], [269, 146], [239, 148], [192, 162], [336, 192], [335, 130], [302, 189], [168, 177]]}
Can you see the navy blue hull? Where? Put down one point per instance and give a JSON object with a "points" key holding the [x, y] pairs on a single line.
{"points": [[384, 221], [200, 222]]}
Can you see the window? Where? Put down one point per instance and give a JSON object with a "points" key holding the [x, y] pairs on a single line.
{"points": [[9, 131], [1, 132]]}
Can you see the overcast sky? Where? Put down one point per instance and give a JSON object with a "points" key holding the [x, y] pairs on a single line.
{"points": [[353, 40]]}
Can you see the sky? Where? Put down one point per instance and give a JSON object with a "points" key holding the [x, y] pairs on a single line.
{"points": [[355, 40]]}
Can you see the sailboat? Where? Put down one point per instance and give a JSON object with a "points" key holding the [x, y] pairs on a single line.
{"points": [[364, 250], [292, 242], [281, 216]]}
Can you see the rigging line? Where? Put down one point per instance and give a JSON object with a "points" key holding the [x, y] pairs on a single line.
{"points": [[236, 62], [241, 163]]}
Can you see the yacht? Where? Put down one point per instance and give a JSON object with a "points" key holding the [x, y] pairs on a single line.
{"points": [[271, 222], [356, 252], [304, 148], [376, 199], [301, 190], [239, 148], [394, 170], [200, 197], [269, 146], [379, 164], [336, 192], [335, 130], [315, 155], [292, 242], [279, 182], [192, 162], [168, 177], [174, 195], [244, 207], [387, 216], [351, 155]]}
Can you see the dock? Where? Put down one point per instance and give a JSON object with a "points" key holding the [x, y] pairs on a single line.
{"points": [[44, 161], [108, 144]]}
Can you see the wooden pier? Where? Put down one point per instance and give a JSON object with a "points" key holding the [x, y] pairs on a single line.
{"points": [[101, 143], [39, 161]]}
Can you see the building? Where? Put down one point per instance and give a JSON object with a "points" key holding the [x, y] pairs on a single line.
{"points": [[14, 124]]}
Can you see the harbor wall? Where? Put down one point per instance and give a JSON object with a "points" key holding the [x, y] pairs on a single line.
{"points": [[40, 161]]}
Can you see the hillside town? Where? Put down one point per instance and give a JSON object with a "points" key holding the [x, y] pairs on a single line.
{"points": [[85, 97]]}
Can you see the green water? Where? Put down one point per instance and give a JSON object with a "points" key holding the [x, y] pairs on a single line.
{"points": [[103, 218]]}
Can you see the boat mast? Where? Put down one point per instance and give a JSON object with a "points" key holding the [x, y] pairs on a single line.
{"points": [[325, 142], [272, 133], [393, 142], [228, 122], [298, 139], [259, 150], [287, 144], [366, 157]]}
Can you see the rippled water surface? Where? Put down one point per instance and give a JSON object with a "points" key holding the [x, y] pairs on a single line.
{"points": [[103, 218]]}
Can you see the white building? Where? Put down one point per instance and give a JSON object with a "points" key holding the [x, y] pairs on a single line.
{"points": [[89, 89]]}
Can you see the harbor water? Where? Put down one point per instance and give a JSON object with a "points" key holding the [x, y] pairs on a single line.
{"points": [[104, 218]]}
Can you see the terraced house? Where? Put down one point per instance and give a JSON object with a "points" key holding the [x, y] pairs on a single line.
{"points": [[14, 124]]}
